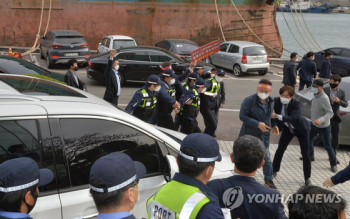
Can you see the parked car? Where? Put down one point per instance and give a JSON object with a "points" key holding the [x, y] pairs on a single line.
{"points": [[68, 130], [241, 57], [59, 46], [137, 63], [306, 96], [13, 65], [340, 62], [115, 42], [181, 48]]}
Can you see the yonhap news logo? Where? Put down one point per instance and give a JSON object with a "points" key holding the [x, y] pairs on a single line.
{"points": [[233, 197]]}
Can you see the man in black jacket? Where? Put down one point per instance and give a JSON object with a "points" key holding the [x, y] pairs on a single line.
{"points": [[71, 77], [289, 73], [287, 114], [112, 80], [337, 98]]}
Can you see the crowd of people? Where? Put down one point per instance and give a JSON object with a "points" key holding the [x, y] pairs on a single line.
{"points": [[114, 178]]}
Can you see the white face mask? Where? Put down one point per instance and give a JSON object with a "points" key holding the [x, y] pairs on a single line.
{"points": [[172, 81], [218, 78], [263, 96], [139, 195], [313, 58], [284, 100], [203, 90], [297, 60], [158, 88], [212, 75], [116, 67]]}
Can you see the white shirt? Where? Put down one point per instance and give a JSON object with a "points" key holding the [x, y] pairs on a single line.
{"points": [[75, 77], [280, 117]]}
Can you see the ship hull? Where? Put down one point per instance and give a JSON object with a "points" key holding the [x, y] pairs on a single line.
{"points": [[147, 21]]}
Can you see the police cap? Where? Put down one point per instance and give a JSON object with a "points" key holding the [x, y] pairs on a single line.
{"points": [[169, 73], [154, 79], [220, 72]]}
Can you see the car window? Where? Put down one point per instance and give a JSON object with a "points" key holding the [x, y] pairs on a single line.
{"points": [[233, 49], [108, 42], [185, 48], [345, 53], [37, 87], [17, 66], [223, 47], [254, 51], [122, 43], [133, 55], [86, 140], [335, 51], [69, 39], [104, 41], [158, 57], [160, 44], [21, 138]]}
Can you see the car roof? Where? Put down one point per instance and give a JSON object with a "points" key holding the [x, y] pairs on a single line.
{"points": [[66, 33], [120, 37], [339, 47], [141, 48], [180, 41], [244, 43]]}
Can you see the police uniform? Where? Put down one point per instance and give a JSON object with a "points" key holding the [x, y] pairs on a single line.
{"points": [[208, 104], [189, 113], [19, 174], [116, 170], [204, 75], [185, 196], [221, 94], [144, 101]]}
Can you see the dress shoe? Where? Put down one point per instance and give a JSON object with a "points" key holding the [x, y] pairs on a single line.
{"points": [[271, 185], [334, 169], [308, 182], [274, 174]]}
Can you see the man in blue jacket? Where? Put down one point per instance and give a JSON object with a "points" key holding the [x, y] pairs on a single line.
{"points": [[240, 192], [256, 111], [326, 67], [341, 177], [307, 70], [112, 82]]}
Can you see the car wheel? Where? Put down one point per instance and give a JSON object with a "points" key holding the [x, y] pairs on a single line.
{"points": [[121, 79], [208, 60], [237, 71], [262, 72], [48, 62], [41, 53]]}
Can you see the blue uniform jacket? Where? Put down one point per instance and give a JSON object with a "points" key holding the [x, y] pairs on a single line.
{"points": [[245, 206], [14, 215], [308, 69], [341, 176], [208, 102], [164, 96], [177, 85], [209, 211], [251, 114], [137, 99], [325, 71]]}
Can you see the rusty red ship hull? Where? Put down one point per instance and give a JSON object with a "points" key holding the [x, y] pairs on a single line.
{"points": [[146, 21]]}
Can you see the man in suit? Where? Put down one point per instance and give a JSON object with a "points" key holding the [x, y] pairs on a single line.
{"points": [[71, 77], [112, 80], [326, 67], [239, 193], [337, 98], [289, 74], [287, 114], [307, 70]]}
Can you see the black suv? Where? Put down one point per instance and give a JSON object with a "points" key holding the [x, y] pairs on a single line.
{"points": [[59, 46], [137, 63]]}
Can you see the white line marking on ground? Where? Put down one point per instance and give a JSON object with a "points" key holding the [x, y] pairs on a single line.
{"points": [[36, 61]]}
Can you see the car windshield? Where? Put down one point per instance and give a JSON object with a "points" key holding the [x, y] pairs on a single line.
{"points": [[183, 48], [254, 51], [69, 39], [20, 67], [37, 87], [122, 43]]}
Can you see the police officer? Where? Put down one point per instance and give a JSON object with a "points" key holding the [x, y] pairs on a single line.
{"points": [[199, 69], [189, 113], [114, 185], [19, 182], [145, 99], [220, 74], [208, 104], [186, 195]]}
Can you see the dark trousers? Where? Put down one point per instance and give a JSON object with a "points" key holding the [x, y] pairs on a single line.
{"points": [[216, 111], [188, 126], [335, 130], [285, 139], [152, 120], [114, 101], [165, 120], [325, 135], [210, 121], [177, 122], [303, 83]]}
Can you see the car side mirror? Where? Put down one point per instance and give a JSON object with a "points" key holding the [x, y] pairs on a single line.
{"points": [[173, 168]]}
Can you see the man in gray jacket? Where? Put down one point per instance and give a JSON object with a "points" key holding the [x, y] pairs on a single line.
{"points": [[321, 114]]}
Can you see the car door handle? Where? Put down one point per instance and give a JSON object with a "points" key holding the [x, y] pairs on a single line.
{"points": [[86, 217], [153, 66]]}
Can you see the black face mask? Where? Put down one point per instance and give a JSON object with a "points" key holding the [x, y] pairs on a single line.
{"points": [[333, 85], [30, 207], [76, 68]]}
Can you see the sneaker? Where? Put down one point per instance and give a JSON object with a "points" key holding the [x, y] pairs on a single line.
{"points": [[308, 182], [312, 158], [334, 169], [271, 185], [274, 174]]}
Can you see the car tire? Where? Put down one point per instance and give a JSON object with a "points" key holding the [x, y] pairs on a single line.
{"points": [[48, 62], [208, 60], [41, 53], [237, 71], [262, 72], [121, 79]]}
